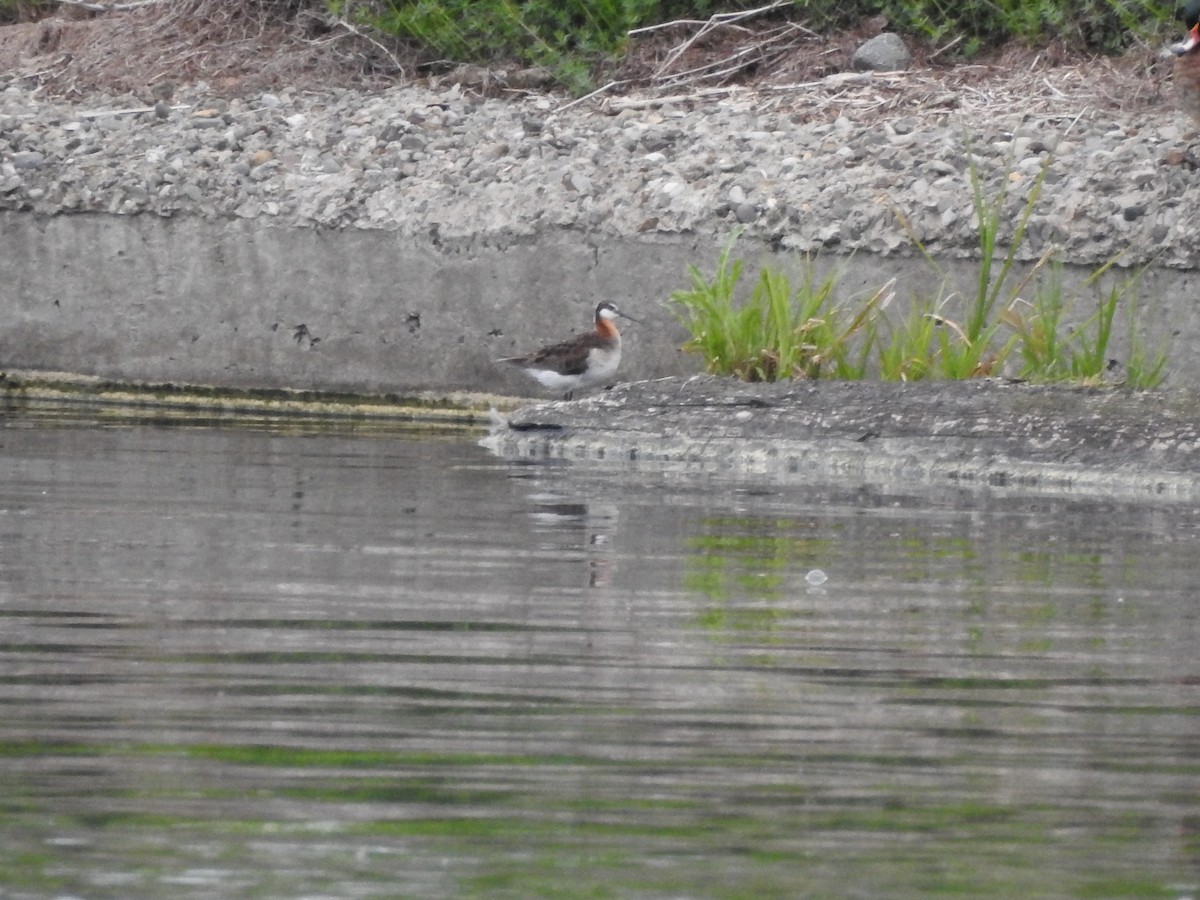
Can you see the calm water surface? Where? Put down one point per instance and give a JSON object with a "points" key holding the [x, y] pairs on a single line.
{"points": [[254, 662]]}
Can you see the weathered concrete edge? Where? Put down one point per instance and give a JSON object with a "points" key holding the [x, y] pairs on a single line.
{"points": [[1014, 440], [796, 462]]}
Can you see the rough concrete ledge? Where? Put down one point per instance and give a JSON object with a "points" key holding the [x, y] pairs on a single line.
{"points": [[989, 434]]}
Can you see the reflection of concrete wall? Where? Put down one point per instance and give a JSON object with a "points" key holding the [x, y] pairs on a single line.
{"points": [[223, 302]]}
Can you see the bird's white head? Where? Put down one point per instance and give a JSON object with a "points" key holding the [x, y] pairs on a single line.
{"points": [[608, 311]]}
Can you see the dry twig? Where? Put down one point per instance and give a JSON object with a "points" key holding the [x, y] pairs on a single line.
{"points": [[596, 93], [236, 47], [108, 7], [716, 21], [359, 33], [107, 113], [986, 92]]}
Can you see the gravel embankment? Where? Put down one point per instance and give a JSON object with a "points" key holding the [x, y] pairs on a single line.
{"points": [[447, 166]]}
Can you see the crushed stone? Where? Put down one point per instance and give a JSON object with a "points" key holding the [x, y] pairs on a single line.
{"points": [[443, 164]]}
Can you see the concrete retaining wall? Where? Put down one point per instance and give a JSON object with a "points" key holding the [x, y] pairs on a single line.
{"points": [[237, 303]]}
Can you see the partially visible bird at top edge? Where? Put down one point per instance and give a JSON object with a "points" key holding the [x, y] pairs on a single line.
{"points": [[1186, 74]]}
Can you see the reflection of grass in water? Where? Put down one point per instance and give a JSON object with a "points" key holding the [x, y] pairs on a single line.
{"points": [[706, 838], [591, 826], [1060, 566], [274, 755], [1132, 887], [1010, 856], [32, 870], [749, 559], [750, 570], [307, 757], [923, 556], [725, 619], [437, 791]]}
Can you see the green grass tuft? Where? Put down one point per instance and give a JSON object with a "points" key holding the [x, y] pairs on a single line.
{"points": [[781, 332]]}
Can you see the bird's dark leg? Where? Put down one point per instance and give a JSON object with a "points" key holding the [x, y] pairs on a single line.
{"points": [[568, 395]]}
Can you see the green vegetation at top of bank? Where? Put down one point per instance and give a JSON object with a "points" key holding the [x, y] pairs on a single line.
{"points": [[582, 41], [578, 40]]}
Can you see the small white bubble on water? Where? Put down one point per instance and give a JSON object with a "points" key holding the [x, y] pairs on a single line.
{"points": [[816, 577]]}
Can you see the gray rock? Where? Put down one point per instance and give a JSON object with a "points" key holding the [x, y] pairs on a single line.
{"points": [[746, 213], [658, 139], [497, 150], [533, 78], [1132, 211], [575, 181], [28, 159], [885, 52], [414, 141]]}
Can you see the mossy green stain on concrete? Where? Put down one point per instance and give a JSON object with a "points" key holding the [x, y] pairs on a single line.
{"points": [[167, 403]]}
